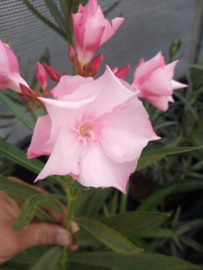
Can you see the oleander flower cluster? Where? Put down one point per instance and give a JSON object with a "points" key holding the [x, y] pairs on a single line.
{"points": [[94, 129]]}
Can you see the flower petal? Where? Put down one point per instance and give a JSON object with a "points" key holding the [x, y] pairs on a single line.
{"points": [[177, 85], [96, 169], [158, 84], [39, 145], [65, 156], [128, 133], [67, 85], [110, 28], [145, 69], [111, 93], [160, 102], [170, 69]]}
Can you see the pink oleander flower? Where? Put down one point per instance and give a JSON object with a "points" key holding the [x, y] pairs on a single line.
{"points": [[92, 30], [95, 131], [9, 70], [154, 80]]}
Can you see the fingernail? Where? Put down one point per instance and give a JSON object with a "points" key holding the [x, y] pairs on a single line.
{"points": [[63, 238]]}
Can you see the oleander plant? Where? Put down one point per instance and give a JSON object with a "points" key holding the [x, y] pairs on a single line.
{"points": [[93, 132]]}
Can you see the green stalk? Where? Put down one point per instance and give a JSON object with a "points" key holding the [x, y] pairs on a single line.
{"points": [[71, 202]]}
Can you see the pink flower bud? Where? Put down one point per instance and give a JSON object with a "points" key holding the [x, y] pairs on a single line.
{"points": [[91, 30], [27, 93], [72, 56], [52, 73], [95, 65], [121, 73], [41, 75], [9, 69]]}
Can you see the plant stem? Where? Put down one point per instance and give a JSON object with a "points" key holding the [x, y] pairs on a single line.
{"points": [[194, 33], [71, 202]]}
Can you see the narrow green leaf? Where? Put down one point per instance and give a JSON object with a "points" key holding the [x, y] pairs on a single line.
{"points": [[191, 243], [19, 156], [3, 268], [43, 19], [83, 202], [106, 12], [30, 207], [124, 199], [106, 210], [21, 192], [127, 224], [49, 260], [22, 117], [130, 223], [141, 243], [199, 67], [159, 233], [151, 156], [75, 4], [99, 197], [114, 203], [108, 236], [138, 262], [65, 10], [23, 260], [154, 200], [57, 15]]}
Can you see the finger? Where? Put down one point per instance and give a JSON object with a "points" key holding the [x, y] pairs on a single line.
{"points": [[43, 234], [74, 228]]}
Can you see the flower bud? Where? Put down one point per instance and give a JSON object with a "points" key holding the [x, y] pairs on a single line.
{"points": [[121, 73], [41, 75], [27, 93], [95, 65], [52, 73], [72, 56]]}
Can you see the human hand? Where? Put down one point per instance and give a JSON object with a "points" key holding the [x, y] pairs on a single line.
{"points": [[35, 233]]}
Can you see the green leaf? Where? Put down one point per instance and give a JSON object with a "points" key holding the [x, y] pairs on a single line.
{"points": [[191, 243], [91, 201], [151, 156], [19, 156], [65, 10], [43, 19], [57, 15], [75, 5], [126, 224], [138, 262], [20, 192], [106, 12], [11, 106], [97, 201], [49, 260], [23, 260], [3, 268], [197, 67], [30, 207], [108, 236], [141, 243], [154, 200], [159, 233]]}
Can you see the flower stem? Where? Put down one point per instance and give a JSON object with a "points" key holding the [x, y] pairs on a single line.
{"points": [[71, 202]]}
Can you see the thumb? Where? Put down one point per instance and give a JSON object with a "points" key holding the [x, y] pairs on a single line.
{"points": [[43, 233]]}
